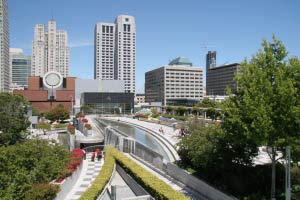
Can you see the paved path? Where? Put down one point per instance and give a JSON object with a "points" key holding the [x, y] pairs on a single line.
{"points": [[89, 172]]}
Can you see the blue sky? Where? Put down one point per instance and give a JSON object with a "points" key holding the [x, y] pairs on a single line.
{"points": [[166, 29]]}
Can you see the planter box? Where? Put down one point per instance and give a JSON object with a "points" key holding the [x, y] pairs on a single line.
{"points": [[67, 184]]}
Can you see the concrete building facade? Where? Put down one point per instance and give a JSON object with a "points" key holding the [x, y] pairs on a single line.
{"points": [[115, 50], [178, 84], [219, 78], [20, 65], [50, 50], [4, 47]]}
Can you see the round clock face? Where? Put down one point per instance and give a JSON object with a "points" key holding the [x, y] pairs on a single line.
{"points": [[52, 79]]}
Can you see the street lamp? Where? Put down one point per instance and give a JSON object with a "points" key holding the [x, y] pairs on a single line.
{"points": [[72, 104]]}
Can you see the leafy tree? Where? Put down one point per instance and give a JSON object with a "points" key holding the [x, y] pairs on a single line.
{"points": [[86, 109], [35, 112], [13, 122], [58, 113], [265, 111], [211, 107], [181, 110], [199, 146], [28, 163]]}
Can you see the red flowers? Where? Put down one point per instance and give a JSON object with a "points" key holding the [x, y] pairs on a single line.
{"points": [[84, 120], [76, 158], [88, 126]]}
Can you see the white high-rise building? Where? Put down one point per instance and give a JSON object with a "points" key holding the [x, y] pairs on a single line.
{"points": [[50, 50], [4, 47], [115, 50]]}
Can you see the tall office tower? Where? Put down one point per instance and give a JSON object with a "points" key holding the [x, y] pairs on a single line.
{"points": [[4, 47], [115, 46], [211, 57], [20, 65], [50, 50], [104, 51]]}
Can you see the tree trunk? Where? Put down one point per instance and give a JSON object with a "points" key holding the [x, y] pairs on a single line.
{"points": [[273, 190]]}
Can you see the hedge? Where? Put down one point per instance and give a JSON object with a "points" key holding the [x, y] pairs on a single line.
{"points": [[156, 187], [101, 180]]}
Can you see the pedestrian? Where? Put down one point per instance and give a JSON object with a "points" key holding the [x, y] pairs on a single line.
{"points": [[99, 155], [84, 155], [93, 156]]}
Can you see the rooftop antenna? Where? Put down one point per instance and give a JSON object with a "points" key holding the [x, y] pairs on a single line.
{"points": [[52, 18]]}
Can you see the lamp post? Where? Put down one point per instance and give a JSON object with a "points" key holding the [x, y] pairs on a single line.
{"points": [[72, 104]]}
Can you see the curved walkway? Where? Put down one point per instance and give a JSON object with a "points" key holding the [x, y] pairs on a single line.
{"points": [[89, 172], [168, 137]]}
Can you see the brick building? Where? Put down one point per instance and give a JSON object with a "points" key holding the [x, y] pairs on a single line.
{"points": [[45, 93]]}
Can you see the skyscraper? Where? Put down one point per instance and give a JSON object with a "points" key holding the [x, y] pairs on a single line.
{"points": [[20, 65], [50, 50], [221, 77], [4, 47], [115, 50]]}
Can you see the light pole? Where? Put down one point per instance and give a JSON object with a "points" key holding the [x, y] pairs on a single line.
{"points": [[72, 105]]}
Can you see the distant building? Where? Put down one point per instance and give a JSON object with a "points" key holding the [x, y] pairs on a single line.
{"points": [[4, 47], [47, 92], [108, 102], [139, 99], [50, 50], [174, 85], [115, 50], [20, 65], [96, 86], [219, 78]]}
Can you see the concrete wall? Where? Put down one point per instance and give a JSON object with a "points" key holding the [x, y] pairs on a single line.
{"points": [[195, 183], [68, 184]]}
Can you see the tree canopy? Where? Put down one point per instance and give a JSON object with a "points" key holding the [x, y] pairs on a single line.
{"points": [[13, 122], [265, 111], [58, 113], [24, 164]]}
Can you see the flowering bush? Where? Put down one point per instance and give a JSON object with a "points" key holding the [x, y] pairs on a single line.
{"points": [[84, 120], [141, 116], [88, 126], [71, 129], [76, 158]]}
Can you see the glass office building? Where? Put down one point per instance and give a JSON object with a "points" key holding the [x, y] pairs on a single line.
{"points": [[107, 103]]}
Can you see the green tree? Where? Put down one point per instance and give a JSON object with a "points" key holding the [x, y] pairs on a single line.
{"points": [[13, 122], [181, 110], [211, 108], [198, 148], [28, 163], [265, 111], [58, 113], [85, 109]]}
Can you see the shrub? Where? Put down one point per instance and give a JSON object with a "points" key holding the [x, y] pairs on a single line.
{"points": [[88, 126], [155, 115], [156, 187], [71, 129], [84, 120], [101, 180], [42, 191], [43, 125], [60, 125]]}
